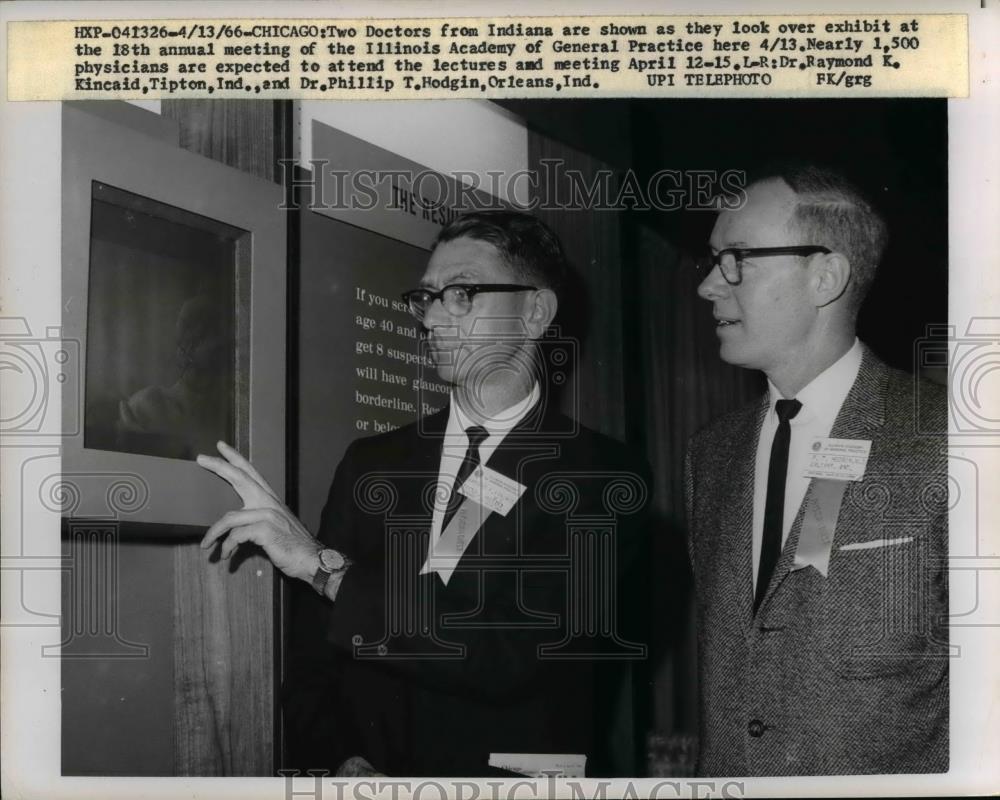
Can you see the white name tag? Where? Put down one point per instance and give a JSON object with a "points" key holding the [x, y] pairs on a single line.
{"points": [[837, 459], [492, 490]]}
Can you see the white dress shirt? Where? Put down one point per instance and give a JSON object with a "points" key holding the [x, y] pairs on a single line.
{"points": [[821, 401], [456, 442]]}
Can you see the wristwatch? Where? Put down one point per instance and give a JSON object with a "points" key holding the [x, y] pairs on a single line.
{"points": [[330, 561]]}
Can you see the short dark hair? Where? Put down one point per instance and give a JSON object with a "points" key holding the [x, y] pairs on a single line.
{"points": [[528, 246], [832, 211]]}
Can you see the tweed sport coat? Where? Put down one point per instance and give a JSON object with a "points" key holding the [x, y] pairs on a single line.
{"points": [[411, 704], [843, 674]]}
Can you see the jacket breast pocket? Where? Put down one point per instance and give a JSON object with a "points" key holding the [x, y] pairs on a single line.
{"points": [[880, 609]]}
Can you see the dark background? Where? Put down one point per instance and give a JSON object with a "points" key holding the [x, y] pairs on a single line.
{"points": [[895, 150]]}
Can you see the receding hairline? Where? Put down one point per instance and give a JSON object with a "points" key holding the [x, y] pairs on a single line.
{"points": [[799, 199], [791, 203]]}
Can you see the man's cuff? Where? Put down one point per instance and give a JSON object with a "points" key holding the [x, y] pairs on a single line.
{"points": [[332, 587]]}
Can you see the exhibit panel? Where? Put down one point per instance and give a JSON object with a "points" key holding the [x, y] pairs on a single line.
{"points": [[174, 300], [174, 288]]}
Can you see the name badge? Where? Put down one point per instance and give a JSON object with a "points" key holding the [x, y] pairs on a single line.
{"points": [[492, 490], [837, 459]]}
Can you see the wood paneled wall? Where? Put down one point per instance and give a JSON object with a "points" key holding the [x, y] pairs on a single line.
{"points": [[225, 624]]}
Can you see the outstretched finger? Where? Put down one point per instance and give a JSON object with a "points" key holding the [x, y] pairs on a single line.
{"points": [[228, 521], [234, 457], [243, 484]]}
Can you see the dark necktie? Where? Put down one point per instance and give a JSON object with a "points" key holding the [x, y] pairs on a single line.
{"points": [[477, 435], [774, 507]]}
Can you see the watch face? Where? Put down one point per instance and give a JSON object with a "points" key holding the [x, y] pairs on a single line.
{"points": [[331, 560]]}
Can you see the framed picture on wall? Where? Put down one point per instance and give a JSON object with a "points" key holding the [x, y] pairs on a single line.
{"points": [[174, 292]]}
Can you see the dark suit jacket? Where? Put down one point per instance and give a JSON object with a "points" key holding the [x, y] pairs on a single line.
{"points": [[426, 679], [837, 675]]}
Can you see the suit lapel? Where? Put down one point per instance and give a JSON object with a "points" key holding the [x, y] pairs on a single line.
{"points": [[862, 413], [526, 445], [862, 416], [529, 434], [421, 465], [430, 433], [529, 441], [736, 514]]}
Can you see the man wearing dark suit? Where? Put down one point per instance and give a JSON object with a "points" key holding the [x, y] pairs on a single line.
{"points": [[444, 631], [817, 515]]}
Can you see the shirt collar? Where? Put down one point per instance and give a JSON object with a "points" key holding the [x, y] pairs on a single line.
{"points": [[823, 396], [499, 425]]}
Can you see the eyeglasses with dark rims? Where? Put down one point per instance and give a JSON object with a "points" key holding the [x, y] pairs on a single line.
{"points": [[456, 297], [730, 261]]}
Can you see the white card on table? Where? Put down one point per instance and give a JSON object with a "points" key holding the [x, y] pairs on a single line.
{"points": [[539, 765]]}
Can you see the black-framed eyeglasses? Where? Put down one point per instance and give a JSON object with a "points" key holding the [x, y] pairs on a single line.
{"points": [[730, 261], [456, 297]]}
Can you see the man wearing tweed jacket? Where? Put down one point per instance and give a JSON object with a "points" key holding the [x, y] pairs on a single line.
{"points": [[817, 515]]}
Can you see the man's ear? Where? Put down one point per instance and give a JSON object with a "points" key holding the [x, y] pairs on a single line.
{"points": [[831, 277], [541, 312]]}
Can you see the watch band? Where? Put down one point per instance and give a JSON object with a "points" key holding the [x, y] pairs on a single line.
{"points": [[319, 580], [323, 573]]}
